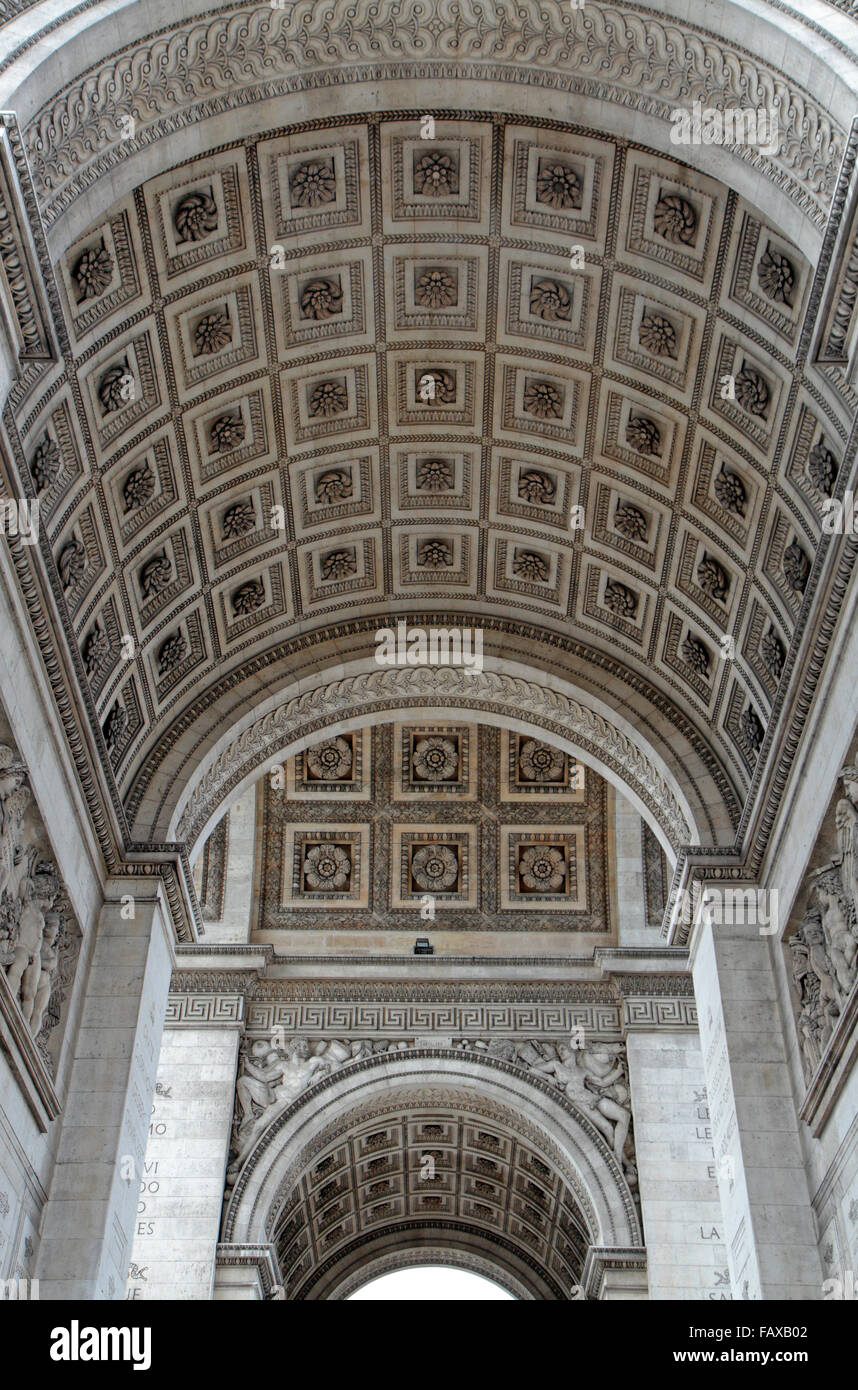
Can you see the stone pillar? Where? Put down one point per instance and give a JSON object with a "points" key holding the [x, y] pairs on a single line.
{"points": [[184, 1171], [631, 898], [612, 1274], [680, 1206], [247, 1273], [769, 1226], [90, 1214]]}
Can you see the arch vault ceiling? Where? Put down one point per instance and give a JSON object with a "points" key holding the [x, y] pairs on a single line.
{"points": [[251, 474]]}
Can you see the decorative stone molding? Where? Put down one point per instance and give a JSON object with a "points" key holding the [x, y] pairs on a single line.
{"points": [[257, 1262], [19, 281], [657, 1001], [486, 690], [628, 1266], [205, 1010], [398, 1019], [471, 1012], [646, 1013], [213, 871], [621, 55]]}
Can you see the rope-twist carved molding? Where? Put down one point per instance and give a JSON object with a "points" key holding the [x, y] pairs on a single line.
{"points": [[487, 690], [620, 55]]}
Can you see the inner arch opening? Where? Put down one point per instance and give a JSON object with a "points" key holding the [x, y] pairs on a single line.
{"points": [[430, 1284]]}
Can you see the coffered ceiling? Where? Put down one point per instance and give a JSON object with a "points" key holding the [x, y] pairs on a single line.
{"points": [[510, 374], [420, 826], [420, 1175]]}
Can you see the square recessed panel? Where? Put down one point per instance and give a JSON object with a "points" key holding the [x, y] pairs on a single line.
{"points": [[437, 761], [558, 185], [640, 432], [653, 335], [337, 768], [743, 720], [628, 522], [211, 335], [121, 388], [534, 770], [672, 217], [175, 652], [121, 722], [770, 278], [787, 559], [321, 300], [746, 391], [549, 302], [100, 275], [144, 486], [429, 390], [815, 458], [439, 862], [618, 602], [543, 868], [531, 569], [693, 654], [237, 523], [765, 646], [199, 221], [231, 433], [249, 603], [312, 186], [706, 576], [536, 490], [432, 481], [325, 866], [727, 491], [347, 566], [159, 575], [53, 458], [80, 558], [324, 403], [333, 490], [543, 401], [437, 288], [443, 176], [435, 557]]}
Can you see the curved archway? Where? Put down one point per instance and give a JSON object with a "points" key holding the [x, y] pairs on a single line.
{"points": [[525, 701], [432, 1148], [387, 1266]]}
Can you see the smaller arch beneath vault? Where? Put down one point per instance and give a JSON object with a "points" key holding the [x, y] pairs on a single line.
{"points": [[384, 1089]]}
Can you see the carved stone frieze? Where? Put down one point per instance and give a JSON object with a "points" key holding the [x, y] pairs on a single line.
{"points": [[824, 949], [593, 1076], [39, 938]]}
